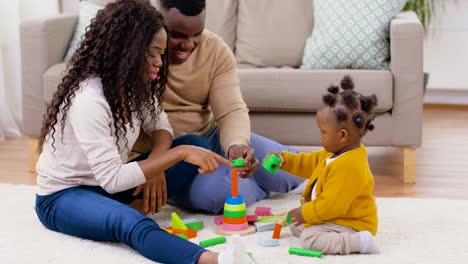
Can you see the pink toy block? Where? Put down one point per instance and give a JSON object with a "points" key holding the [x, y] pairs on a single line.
{"points": [[218, 220], [262, 211], [252, 218]]}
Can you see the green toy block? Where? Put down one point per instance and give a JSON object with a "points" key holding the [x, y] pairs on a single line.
{"points": [[305, 252], [272, 163], [177, 222], [238, 163], [182, 236], [195, 225], [212, 242], [288, 219], [268, 219]]}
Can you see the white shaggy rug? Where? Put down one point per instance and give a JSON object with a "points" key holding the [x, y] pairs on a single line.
{"points": [[410, 231]]}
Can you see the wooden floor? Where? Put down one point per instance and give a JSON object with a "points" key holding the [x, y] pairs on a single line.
{"points": [[442, 161]]}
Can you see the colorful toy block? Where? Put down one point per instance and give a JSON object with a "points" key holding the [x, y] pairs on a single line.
{"points": [[265, 219], [262, 211], [212, 242], [198, 225], [177, 222], [277, 230], [190, 233], [268, 242], [281, 212], [252, 218], [261, 227], [305, 252], [182, 236], [218, 220], [272, 163]]}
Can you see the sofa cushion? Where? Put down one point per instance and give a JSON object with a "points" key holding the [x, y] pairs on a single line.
{"points": [[351, 34], [299, 129], [221, 18], [272, 33], [293, 90], [88, 11], [102, 2], [51, 79]]}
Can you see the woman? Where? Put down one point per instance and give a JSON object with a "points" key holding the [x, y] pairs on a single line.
{"points": [[112, 88]]}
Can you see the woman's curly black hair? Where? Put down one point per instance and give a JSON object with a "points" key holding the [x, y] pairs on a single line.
{"points": [[115, 48], [351, 105]]}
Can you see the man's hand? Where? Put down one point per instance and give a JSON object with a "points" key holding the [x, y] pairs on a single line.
{"points": [[250, 159], [296, 216], [154, 194]]}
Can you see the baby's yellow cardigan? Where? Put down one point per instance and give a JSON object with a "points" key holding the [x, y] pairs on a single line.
{"points": [[344, 188]]}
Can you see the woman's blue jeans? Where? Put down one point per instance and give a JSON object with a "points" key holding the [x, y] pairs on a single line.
{"points": [[92, 213]]}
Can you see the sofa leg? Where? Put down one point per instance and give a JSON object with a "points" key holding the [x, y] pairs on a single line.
{"points": [[409, 165], [33, 155]]}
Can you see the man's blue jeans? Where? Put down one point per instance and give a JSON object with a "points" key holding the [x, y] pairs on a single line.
{"points": [[208, 192], [92, 213]]}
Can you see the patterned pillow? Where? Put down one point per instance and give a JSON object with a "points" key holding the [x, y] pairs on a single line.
{"points": [[350, 34], [88, 11]]}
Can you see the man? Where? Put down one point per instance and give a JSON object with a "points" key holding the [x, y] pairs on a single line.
{"points": [[203, 97]]}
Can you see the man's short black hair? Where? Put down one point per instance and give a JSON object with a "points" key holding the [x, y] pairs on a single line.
{"points": [[186, 7]]}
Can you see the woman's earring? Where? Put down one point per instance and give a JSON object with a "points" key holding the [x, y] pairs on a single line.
{"points": [[341, 140]]}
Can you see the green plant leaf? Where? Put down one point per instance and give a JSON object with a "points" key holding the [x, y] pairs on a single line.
{"points": [[425, 9]]}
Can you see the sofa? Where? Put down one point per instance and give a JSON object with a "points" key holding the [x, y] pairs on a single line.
{"points": [[267, 38]]}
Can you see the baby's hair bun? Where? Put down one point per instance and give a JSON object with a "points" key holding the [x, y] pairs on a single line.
{"points": [[347, 83], [333, 89]]}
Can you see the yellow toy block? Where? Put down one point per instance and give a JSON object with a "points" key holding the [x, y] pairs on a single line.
{"points": [[177, 223]]}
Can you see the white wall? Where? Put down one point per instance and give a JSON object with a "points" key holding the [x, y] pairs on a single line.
{"points": [[12, 12], [446, 48]]}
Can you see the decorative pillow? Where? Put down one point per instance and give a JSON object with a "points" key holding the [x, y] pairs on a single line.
{"points": [[350, 34], [88, 11]]}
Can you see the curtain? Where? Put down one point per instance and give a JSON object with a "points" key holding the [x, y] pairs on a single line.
{"points": [[8, 126], [10, 89], [12, 12]]}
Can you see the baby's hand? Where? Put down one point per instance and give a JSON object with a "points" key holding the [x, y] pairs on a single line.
{"points": [[278, 154], [296, 216], [272, 162]]}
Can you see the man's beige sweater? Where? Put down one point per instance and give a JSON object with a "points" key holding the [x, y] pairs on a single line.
{"points": [[203, 92]]}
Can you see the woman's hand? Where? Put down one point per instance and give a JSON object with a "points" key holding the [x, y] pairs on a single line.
{"points": [[296, 216], [206, 159], [250, 159], [154, 193]]}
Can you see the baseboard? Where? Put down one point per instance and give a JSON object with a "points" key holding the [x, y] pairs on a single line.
{"points": [[446, 96]]}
